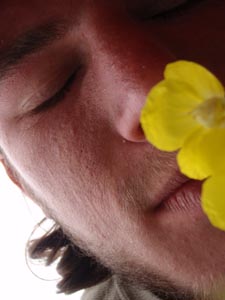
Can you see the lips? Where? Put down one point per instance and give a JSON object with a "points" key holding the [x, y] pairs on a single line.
{"points": [[185, 198]]}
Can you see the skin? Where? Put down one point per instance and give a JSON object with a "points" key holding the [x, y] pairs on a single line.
{"points": [[86, 161]]}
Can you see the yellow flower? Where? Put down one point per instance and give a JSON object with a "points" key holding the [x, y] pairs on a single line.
{"points": [[213, 200], [186, 112]]}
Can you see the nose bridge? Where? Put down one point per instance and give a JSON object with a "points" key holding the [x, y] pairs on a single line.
{"points": [[128, 60]]}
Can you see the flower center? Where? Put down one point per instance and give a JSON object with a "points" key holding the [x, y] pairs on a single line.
{"points": [[211, 113]]}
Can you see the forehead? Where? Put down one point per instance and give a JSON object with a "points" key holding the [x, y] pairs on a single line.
{"points": [[19, 16]]}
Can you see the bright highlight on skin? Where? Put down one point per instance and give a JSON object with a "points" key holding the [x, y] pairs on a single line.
{"points": [[186, 113]]}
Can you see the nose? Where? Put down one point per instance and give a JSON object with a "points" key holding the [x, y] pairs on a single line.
{"points": [[130, 129], [127, 115], [128, 60]]}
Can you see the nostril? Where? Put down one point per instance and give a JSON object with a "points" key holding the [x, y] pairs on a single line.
{"points": [[141, 131], [132, 131], [127, 118], [140, 134]]}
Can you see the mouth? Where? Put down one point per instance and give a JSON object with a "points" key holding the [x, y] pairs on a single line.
{"points": [[186, 198]]}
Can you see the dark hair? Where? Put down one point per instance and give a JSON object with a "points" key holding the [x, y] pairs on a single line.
{"points": [[77, 269]]}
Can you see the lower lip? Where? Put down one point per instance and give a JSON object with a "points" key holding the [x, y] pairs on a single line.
{"points": [[186, 199]]}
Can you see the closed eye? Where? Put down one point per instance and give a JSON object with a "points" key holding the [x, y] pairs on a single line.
{"points": [[156, 9], [178, 10], [56, 98]]}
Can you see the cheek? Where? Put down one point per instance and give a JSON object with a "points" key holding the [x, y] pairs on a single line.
{"points": [[54, 150], [61, 159]]}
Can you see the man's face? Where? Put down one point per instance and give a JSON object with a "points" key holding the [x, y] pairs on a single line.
{"points": [[83, 154]]}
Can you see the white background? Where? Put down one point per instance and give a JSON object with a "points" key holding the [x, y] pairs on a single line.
{"points": [[18, 216]]}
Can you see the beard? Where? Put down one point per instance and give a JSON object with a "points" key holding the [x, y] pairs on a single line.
{"points": [[128, 275], [158, 285]]}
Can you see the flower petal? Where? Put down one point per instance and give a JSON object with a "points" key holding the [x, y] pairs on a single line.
{"points": [[166, 118], [202, 81], [190, 160], [203, 153], [213, 200]]}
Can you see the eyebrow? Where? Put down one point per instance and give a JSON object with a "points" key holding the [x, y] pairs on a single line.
{"points": [[29, 43]]}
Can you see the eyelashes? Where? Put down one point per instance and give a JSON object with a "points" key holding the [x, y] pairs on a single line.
{"points": [[149, 9], [57, 97], [165, 6], [178, 10]]}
